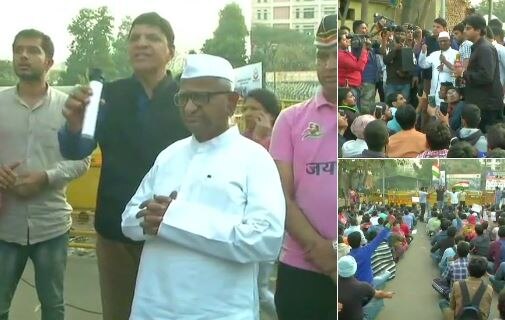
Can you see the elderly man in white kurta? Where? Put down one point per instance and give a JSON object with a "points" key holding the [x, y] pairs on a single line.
{"points": [[209, 210], [441, 62]]}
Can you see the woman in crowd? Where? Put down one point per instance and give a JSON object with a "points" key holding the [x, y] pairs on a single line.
{"points": [[353, 148], [347, 106]]}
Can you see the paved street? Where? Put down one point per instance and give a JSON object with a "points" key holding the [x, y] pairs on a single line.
{"points": [[415, 299]]}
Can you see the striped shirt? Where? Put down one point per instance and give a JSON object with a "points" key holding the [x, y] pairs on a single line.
{"points": [[382, 260]]}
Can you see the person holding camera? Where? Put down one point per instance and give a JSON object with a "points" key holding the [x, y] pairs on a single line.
{"points": [[399, 75], [350, 68], [371, 72]]}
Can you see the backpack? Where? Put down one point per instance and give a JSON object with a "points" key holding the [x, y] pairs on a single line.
{"points": [[470, 310]]}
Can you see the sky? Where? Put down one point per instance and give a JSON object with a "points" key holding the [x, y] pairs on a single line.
{"points": [[193, 21]]}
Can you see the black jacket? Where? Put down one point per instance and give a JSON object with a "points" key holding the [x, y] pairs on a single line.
{"points": [[482, 77]]}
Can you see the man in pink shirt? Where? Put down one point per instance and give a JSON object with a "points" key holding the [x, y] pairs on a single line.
{"points": [[304, 147]]}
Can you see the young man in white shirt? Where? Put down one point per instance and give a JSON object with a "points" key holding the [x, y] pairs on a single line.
{"points": [[210, 209]]}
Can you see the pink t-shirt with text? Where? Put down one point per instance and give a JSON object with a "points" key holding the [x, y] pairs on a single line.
{"points": [[306, 136]]}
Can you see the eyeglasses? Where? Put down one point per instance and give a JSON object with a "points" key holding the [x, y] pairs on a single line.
{"points": [[198, 98]]}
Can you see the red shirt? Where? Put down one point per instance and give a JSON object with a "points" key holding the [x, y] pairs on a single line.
{"points": [[405, 229], [350, 68]]}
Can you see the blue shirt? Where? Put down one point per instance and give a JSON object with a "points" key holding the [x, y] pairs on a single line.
{"points": [[363, 257], [408, 220], [393, 124]]}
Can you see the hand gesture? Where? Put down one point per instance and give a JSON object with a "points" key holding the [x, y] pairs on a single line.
{"points": [[424, 48], [153, 211], [31, 184], [323, 256], [7, 175]]}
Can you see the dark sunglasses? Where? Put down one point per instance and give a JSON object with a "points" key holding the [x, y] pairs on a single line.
{"points": [[181, 99]]}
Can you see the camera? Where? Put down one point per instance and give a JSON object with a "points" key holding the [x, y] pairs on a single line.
{"points": [[357, 41], [383, 22]]}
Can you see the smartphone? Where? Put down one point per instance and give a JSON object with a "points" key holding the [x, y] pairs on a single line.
{"points": [[444, 106], [378, 111], [431, 100]]}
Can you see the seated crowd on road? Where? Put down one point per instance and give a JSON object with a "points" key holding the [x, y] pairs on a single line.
{"points": [[467, 247], [447, 103]]}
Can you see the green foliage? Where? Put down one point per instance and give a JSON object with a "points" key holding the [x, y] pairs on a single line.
{"points": [[498, 8], [229, 38], [424, 170], [295, 51], [7, 75], [91, 47], [122, 66]]}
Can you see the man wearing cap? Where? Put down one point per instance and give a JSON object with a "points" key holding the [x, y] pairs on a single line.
{"points": [[303, 145], [209, 210], [137, 121], [357, 293], [441, 62]]}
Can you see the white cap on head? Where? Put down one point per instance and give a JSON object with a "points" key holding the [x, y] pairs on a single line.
{"points": [[444, 34], [206, 65]]}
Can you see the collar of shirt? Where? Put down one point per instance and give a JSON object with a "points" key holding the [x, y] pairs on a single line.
{"points": [[321, 101], [222, 139], [39, 103], [142, 97]]}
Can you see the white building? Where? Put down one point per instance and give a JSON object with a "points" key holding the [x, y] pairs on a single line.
{"points": [[301, 15]]}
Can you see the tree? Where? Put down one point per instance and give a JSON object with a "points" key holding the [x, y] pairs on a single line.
{"points": [[122, 66], [229, 38], [294, 51], [7, 75], [498, 8], [424, 171], [91, 47]]}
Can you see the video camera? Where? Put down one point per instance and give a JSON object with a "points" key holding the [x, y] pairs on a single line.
{"points": [[357, 41], [383, 22]]}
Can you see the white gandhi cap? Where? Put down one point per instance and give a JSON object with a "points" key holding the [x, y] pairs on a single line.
{"points": [[206, 65], [444, 34]]}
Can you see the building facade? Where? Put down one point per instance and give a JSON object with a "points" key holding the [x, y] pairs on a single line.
{"points": [[301, 15]]}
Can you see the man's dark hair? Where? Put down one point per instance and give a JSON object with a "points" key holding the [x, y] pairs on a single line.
{"points": [[484, 225], [441, 21], [461, 149], [479, 229], [392, 97], [376, 135], [497, 31], [472, 115], [406, 117], [477, 266], [477, 22], [459, 238], [344, 28], [462, 249], [501, 231], [353, 221], [356, 24], [400, 29], [267, 99], [342, 94], [445, 224], [451, 231], [495, 23], [496, 136], [155, 20], [354, 239], [370, 235], [381, 221], [438, 136], [489, 33], [46, 43], [341, 35], [459, 27]]}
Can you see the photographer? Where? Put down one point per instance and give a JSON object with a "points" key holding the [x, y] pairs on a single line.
{"points": [[371, 72], [350, 68], [398, 79]]}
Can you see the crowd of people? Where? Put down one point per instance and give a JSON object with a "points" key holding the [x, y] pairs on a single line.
{"points": [[191, 213], [441, 92], [467, 247]]}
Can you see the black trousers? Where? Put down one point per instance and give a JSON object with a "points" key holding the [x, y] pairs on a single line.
{"points": [[304, 295]]}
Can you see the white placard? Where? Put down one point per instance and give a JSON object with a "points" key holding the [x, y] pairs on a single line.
{"points": [[476, 208], [248, 77]]}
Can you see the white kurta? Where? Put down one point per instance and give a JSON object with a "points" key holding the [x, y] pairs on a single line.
{"points": [[229, 215], [433, 61]]}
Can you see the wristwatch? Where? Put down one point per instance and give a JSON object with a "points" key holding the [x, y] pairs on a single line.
{"points": [[335, 245]]}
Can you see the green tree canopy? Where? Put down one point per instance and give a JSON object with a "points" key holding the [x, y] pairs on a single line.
{"points": [[7, 75], [91, 46], [498, 8], [122, 66], [282, 49], [229, 38]]}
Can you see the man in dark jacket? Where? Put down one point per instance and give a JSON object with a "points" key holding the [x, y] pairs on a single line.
{"points": [[470, 120], [482, 76], [137, 121]]}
